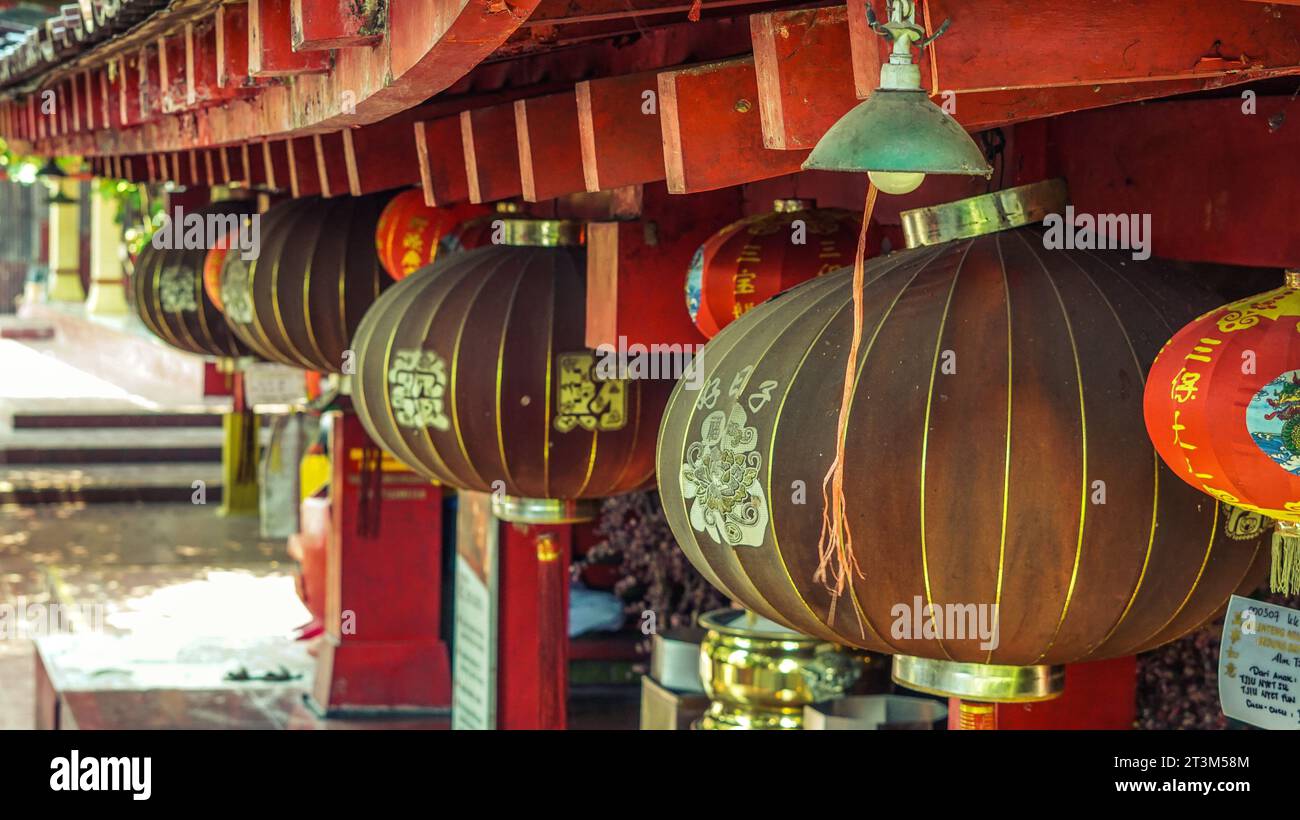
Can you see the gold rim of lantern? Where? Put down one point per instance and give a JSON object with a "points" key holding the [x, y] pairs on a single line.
{"points": [[519, 510], [542, 233], [984, 214], [992, 683]]}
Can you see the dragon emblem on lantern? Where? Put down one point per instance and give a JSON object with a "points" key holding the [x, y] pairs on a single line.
{"points": [[1273, 419], [720, 480]]}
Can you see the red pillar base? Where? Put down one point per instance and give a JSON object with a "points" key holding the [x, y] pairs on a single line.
{"points": [[382, 651]]}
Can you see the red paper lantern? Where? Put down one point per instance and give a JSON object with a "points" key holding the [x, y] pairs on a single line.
{"points": [[1222, 406], [751, 260], [212, 272], [410, 232]]}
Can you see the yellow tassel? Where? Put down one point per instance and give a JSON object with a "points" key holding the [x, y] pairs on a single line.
{"points": [[1284, 575]]}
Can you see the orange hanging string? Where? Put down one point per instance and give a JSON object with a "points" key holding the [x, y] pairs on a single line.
{"points": [[835, 544]]}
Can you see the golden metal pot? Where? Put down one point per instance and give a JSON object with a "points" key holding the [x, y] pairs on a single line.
{"points": [[760, 676]]}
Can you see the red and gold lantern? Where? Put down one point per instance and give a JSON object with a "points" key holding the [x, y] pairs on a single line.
{"points": [[410, 232], [754, 259], [474, 371], [1222, 406], [212, 264], [996, 462]]}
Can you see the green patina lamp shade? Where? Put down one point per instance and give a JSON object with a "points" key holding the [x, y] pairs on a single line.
{"points": [[898, 131]]}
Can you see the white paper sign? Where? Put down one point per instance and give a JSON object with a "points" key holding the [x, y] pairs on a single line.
{"points": [[1259, 664], [271, 383], [474, 668]]}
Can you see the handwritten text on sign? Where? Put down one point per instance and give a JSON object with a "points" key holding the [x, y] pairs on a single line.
{"points": [[1259, 664]]}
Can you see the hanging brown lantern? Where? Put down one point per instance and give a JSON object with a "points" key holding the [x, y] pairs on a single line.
{"points": [[474, 371], [759, 256], [301, 299], [996, 456], [169, 297]]}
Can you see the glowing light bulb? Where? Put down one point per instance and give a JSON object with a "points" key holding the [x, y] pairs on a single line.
{"points": [[896, 182]]}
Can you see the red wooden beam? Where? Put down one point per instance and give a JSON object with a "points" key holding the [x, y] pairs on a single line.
{"points": [[331, 163], [304, 175], [619, 130], [173, 77], [232, 39], [270, 43], [275, 159], [92, 104], [326, 24], [109, 97], [441, 155], [550, 150], [1230, 210], [381, 156], [233, 164], [211, 167], [74, 103], [1002, 47], [805, 79], [150, 80], [203, 62], [127, 80], [491, 153], [630, 267], [804, 63], [712, 131]]}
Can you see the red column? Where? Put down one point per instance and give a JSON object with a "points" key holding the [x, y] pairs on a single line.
{"points": [[533, 644], [382, 648]]}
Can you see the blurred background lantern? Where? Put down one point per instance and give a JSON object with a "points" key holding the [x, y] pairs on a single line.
{"points": [[996, 456], [1222, 407], [757, 257], [474, 371], [168, 294], [213, 262], [410, 232], [476, 232], [301, 299]]}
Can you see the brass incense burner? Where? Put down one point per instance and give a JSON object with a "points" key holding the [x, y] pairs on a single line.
{"points": [[760, 676]]}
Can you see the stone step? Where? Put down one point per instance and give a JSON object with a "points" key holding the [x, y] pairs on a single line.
{"points": [[104, 483]]}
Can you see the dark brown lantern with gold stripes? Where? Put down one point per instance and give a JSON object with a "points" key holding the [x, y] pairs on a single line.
{"points": [[302, 298], [168, 296], [475, 372], [996, 454]]}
